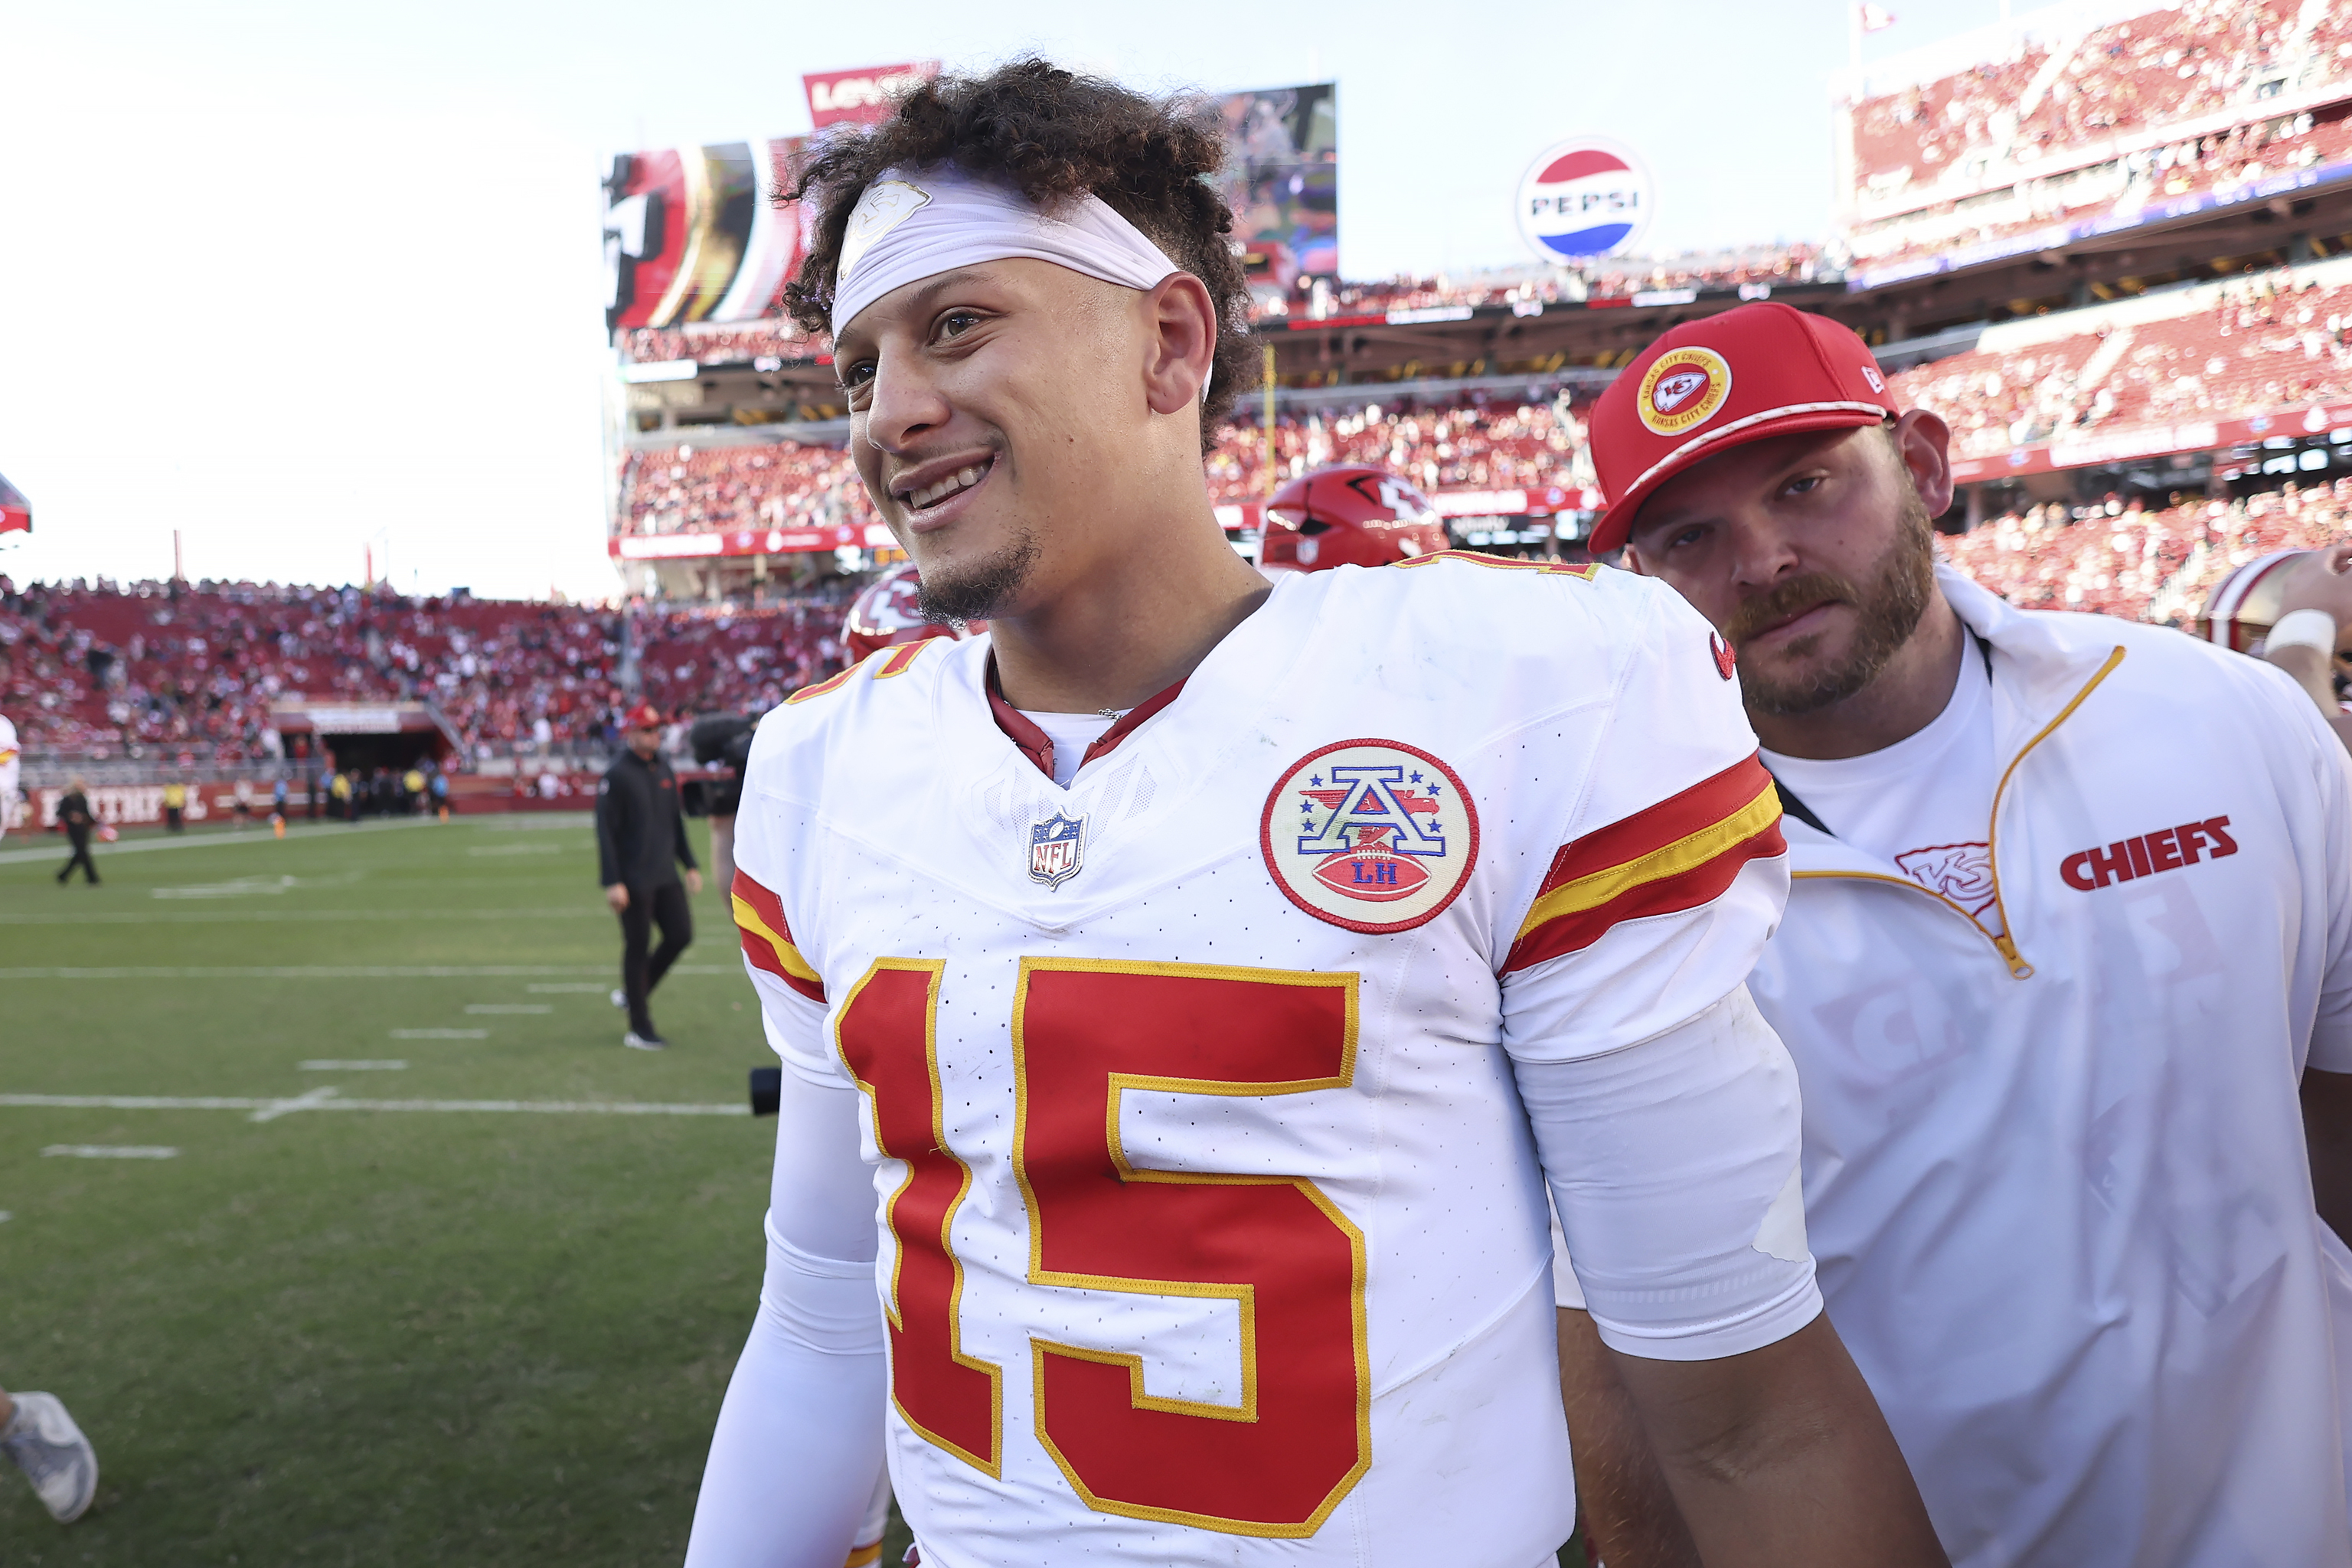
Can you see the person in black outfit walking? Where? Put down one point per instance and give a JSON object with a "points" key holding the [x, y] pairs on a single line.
{"points": [[73, 811], [640, 845]]}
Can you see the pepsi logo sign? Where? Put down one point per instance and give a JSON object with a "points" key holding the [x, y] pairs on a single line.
{"points": [[1584, 199], [1685, 387]]}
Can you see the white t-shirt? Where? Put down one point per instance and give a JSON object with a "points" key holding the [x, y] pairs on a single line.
{"points": [[1071, 734], [1923, 804]]}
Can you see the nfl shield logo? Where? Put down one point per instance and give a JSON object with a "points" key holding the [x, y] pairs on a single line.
{"points": [[1057, 849]]}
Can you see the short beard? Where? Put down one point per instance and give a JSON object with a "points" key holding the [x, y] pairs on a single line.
{"points": [[1889, 607], [979, 591]]}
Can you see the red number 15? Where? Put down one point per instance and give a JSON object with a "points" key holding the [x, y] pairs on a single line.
{"points": [[1276, 1460]]}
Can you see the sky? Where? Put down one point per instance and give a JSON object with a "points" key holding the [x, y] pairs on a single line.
{"points": [[313, 286]]}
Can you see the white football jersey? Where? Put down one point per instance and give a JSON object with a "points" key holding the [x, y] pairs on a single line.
{"points": [[8, 763], [1213, 1229]]}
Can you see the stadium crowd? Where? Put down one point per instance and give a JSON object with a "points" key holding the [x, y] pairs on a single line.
{"points": [[1468, 443], [96, 669], [2271, 342], [740, 342], [2166, 65], [2224, 162], [2118, 559], [701, 490]]}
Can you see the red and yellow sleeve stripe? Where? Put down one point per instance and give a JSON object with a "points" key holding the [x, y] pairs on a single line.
{"points": [[768, 940], [1674, 855]]}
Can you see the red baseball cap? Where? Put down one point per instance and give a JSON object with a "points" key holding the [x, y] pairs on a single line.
{"points": [[644, 716], [1705, 387]]}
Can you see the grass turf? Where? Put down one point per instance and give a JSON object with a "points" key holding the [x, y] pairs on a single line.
{"points": [[369, 1337]]}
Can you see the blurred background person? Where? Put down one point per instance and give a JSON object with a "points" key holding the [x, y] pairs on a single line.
{"points": [[74, 815], [640, 845], [7, 772]]}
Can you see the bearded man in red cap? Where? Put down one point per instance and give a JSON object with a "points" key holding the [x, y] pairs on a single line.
{"points": [[2066, 970], [640, 845]]}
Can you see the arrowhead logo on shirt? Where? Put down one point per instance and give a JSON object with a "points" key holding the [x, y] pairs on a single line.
{"points": [[1374, 836]]}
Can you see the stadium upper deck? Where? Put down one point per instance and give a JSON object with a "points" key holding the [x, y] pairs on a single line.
{"points": [[2091, 118]]}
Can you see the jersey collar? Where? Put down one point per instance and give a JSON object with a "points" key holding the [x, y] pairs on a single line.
{"points": [[1038, 746]]}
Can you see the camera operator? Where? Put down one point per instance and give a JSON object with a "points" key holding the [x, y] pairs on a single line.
{"points": [[722, 743]]}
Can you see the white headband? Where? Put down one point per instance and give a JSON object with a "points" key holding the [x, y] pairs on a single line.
{"points": [[912, 225]]}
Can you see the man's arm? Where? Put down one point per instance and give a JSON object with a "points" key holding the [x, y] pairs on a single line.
{"points": [[1673, 1164], [2327, 1132], [1631, 1518], [1779, 1455], [608, 849], [680, 846], [798, 1449]]}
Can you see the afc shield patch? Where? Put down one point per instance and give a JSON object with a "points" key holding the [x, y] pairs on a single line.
{"points": [[1374, 836], [1058, 848]]}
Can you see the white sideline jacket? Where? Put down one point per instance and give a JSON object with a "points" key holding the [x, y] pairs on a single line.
{"points": [[2059, 1194]]}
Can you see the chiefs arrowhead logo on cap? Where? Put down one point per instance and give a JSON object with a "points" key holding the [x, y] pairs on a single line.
{"points": [[1683, 388]]}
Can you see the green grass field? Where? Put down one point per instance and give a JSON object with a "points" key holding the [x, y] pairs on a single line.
{"points": [[368, 1336]]}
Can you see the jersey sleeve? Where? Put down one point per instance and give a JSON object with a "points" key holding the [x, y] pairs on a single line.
{"points": [[792, 993], [1669, 872]]}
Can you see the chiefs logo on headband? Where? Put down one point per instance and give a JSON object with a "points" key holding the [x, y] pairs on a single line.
{"points": [[1684, 389]]}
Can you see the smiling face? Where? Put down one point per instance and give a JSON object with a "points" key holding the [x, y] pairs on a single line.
{"points": [[1812, 553], [999, 420]]}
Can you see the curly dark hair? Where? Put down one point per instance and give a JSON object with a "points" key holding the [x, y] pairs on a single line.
{"points": [[1054, 135]]}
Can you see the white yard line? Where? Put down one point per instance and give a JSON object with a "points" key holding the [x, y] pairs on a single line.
{"points": [[247, 1104], [110, 1151], [211, 840], [310, 1100], [339, 972], [351, 1067]]}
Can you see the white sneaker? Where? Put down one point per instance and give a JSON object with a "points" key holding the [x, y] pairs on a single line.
{"points": [[637, 1042], [619, 997], [53, 1454]]}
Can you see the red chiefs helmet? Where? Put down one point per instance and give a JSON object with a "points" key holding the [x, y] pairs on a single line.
{"points": [[1350, 515], [886, 614]]}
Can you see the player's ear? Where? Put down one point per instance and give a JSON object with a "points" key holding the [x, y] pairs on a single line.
{"points": [[1924, 444], [1181, 342]]}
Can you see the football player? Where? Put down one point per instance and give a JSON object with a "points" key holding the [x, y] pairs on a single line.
{"points": [[2067, 975], [2292, 608], [8, 766], [1186, 991]]}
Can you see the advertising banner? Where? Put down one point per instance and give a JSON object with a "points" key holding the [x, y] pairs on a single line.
{"points": [[691, 234], [1282, 179], [864, 96]]}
